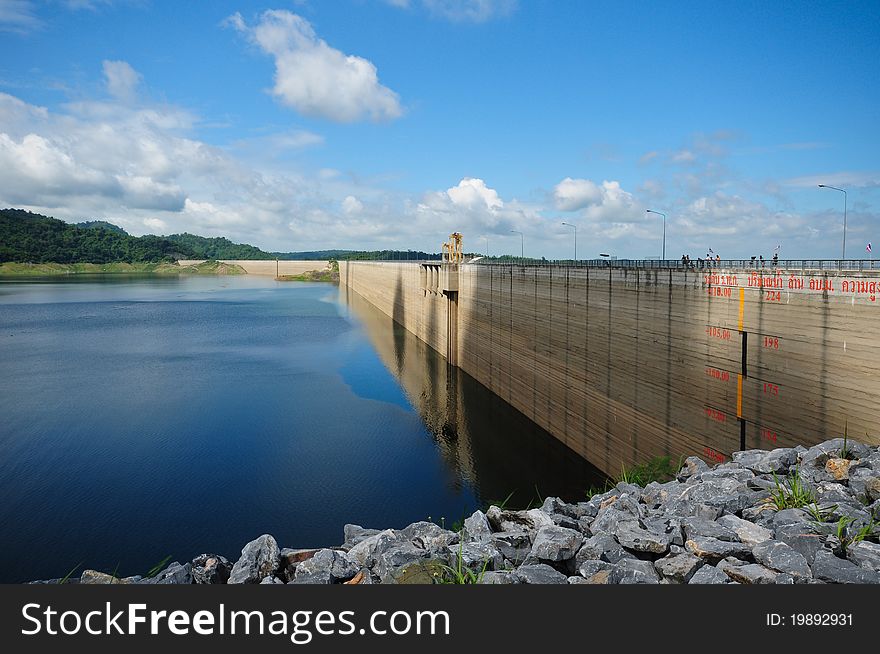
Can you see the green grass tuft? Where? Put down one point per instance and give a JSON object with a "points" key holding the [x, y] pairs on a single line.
{"points": [[156, 569], [792, 493], [460, 573]]}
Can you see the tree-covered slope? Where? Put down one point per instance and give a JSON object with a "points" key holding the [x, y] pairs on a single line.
{"points": [[32, 238]]}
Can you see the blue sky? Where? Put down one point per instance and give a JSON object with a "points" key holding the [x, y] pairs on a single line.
{"points": [[391, 123]]}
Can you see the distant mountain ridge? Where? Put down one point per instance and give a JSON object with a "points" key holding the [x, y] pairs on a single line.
{"points": [[27, 237]]}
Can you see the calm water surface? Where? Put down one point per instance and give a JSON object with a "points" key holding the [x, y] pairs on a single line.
{"points": [[142, 417]]}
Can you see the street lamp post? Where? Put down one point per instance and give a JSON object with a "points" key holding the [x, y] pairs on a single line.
{"points": [[521, 244], [575, 241], [663, 255], [843, 256]]}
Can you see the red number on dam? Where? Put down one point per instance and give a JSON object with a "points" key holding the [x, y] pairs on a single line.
{"points": [[718, 332]]}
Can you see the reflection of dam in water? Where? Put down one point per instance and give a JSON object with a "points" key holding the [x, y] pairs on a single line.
{"points": [[623, 363], [491, 446]]}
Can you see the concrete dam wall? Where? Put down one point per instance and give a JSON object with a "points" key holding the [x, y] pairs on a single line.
{"points": [[623, 364], [267, 267]]}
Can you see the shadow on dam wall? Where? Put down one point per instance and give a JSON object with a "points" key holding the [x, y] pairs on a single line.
{"points": [[485, 442], [624, 364]]}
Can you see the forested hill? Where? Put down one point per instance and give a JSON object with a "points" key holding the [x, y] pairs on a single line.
{"points": [[202, 247], [27, 237], [30, 237]]}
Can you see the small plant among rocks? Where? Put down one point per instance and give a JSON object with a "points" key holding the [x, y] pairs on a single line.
{"points": [[459, 573], [848, 538], [793, 493]]}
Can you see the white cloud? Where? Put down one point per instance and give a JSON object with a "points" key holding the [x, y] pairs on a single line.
{"points": [[351, 205], [473, 193], [122, 80], [146, 193], [157, 225], [573, 194], [36, 163], [472, 11], [316, 79]]}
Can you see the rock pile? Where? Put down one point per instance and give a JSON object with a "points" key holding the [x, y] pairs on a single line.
{"points": [[717, 525]]}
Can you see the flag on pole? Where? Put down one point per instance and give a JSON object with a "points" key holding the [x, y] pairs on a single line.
{"points": [[868, 249]]}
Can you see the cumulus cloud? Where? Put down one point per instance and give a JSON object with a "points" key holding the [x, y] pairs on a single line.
{"points": [[314, 78], [136, 165], [606, 202], [573, 194], [351, 205], [122, 80], [473, 193]]}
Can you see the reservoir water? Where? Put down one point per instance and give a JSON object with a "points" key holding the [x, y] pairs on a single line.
{"points": [[155, 416]]}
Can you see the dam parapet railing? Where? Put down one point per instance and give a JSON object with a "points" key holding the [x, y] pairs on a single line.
{"points": [[804, 265]]}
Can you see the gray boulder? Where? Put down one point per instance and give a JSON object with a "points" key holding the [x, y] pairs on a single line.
{"points": [[692, 466], [590, 567], [173, 574], [802, 538], [211, 569], [832, 569], [396, 556], [782, 558], [709, 575], [602, 547], [634, 571], [751, 573], [713, 550], [669, 527], [476, 556], [477, 527], [367, 550], [746, 532], [429, 536], [556, 544], [555, 506], [354, 534], [694, 526], [762, 461], [93, 577], [678, 568], [259, 558], [865, 555], [498, 578], [326, 567], [530, 520], [514, 546], [539, 573], [636, 539]]}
